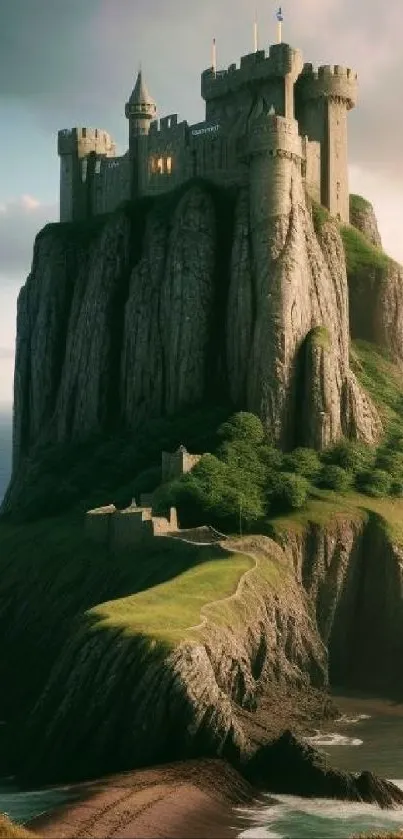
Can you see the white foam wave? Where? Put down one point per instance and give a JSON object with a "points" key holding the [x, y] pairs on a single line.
{"points": [[296, 816], [347, 720], [332, 739]]}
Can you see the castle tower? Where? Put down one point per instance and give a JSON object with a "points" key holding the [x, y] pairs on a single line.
{"points": [[323, 99], [140, 110], [79, 149]]}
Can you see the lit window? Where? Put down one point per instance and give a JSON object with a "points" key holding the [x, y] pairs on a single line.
{"points": [[160, 165], [169, 165], [153, 165]]}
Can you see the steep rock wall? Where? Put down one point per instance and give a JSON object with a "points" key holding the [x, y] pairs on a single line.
{"points": [[353, 575], [376, 306], [362, 216], [147, 704], [333, 589], [158, 308]]}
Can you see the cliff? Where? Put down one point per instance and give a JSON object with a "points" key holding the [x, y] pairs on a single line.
{"points": [[362, 216], [177, 301], [241, 650]]}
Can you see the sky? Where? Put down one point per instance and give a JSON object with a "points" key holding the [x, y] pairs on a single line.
{"points": [[74, 62]]}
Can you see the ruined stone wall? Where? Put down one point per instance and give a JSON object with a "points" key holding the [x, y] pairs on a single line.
{"points": [[127, 528], [175, 464]]}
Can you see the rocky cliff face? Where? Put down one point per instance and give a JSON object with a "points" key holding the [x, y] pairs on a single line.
{"points": [[376, 305], [329, 597], [362, 216], [163, 306]]}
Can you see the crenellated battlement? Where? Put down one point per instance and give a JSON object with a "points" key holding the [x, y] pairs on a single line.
{"points": [[282, 60], [82, 141], [168, 128], [328, 80]]}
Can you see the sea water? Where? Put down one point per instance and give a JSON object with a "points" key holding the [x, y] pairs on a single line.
{"points": [[359, 741]]}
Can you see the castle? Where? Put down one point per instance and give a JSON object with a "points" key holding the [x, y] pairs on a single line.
{"points": [[261, 116]]}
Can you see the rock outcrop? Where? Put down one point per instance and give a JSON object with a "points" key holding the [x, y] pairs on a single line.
{"points": [[362, 216], [160, 307], [376, 304], [291, 766]]}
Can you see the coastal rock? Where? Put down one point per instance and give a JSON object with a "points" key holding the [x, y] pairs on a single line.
{"points": [[291, 766], [362, 216]]}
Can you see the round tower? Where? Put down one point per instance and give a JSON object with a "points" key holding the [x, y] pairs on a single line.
{"points": [[274, 148], [140, 110], [323, 99]]}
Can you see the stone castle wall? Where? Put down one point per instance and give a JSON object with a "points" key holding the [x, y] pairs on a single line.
{"points": [[119, 529]]}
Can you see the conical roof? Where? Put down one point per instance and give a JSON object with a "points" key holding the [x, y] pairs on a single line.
{"points": [[140, 95]]}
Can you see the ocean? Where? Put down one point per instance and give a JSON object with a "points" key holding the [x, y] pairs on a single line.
{"points": [[5, 447]]}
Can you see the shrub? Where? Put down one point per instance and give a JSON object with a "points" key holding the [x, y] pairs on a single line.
{"points": [[397, 488], [287, 492], [241, 455], [374, 482], [271, 457], [304, 462], [242, 426], [334, 477], [351, 456], [391, 462]]}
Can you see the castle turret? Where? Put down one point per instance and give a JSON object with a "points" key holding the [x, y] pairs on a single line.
{"points": [[271, 75], [323, 98], [79, 149], [140, 110]]}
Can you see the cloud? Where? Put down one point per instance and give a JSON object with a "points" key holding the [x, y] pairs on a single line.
{"points": [[20, 221]]}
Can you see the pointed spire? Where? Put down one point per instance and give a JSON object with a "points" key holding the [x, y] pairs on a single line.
{"points": [[140, 94]]}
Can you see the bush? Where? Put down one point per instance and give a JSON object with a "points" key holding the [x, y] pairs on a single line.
{"points": [[242, 426], [397, 488], [334, 477], [287, 492], [304, 462], [376, 483], [353, 457], [242, 456], [391, 462]]}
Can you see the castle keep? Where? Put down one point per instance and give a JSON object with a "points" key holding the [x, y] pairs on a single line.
{"points": [[270, 112]]}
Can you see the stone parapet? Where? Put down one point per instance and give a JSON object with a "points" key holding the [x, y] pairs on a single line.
{"points": [[282, 60], [84, 141], [329, 81]]}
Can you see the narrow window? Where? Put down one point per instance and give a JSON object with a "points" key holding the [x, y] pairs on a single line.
{"points": [[160, 165], [169, 165]]}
